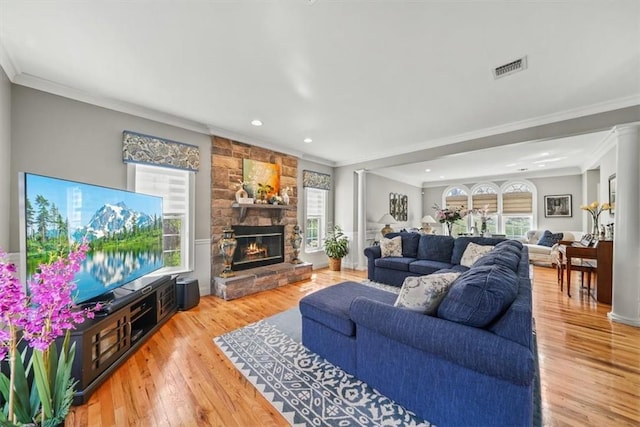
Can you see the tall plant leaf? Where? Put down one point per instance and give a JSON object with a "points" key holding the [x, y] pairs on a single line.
{"points": [[42, 383]]}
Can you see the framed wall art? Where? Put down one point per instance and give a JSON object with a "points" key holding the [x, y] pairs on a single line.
{"points": [[612, 193], [557, 206]]}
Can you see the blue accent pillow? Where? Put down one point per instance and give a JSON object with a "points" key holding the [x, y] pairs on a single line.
{"points": [[549, 239], [480, 295], [410, 242]]}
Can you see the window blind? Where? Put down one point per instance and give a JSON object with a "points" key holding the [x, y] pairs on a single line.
{"points": [[517, 203], [457, 202], [171, 184], [478, 201]]}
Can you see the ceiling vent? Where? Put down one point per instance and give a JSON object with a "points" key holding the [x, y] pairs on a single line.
{"points": [[510, 68]]}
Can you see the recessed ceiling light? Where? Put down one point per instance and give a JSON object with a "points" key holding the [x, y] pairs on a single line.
{"points": [[308, 140], [510, 165], [441, 176], [544, 154], [427, 170], [256, 122], [541, 166]]}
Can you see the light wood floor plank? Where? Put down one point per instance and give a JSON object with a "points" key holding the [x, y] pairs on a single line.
{"points": [[590, 366]]}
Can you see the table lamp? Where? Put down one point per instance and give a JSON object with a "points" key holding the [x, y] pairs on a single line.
{"points": [[427, 220], [387, 220]]}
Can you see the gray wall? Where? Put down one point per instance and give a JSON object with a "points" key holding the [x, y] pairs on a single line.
{"points": [[59, 137], [5, 159], [377, 199]]}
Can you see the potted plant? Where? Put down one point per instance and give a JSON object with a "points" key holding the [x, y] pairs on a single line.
{"points": [[336, 246], [36, 387]]}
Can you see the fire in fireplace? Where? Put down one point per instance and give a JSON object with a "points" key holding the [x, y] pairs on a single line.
{"points": [[258, 246]]}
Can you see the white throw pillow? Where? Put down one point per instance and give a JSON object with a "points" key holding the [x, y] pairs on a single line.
{"points": [[391, 247], [473, 252], [424, 293]]}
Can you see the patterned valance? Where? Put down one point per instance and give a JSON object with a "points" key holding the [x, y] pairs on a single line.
{"points": [[139, 148], [316, 180]]}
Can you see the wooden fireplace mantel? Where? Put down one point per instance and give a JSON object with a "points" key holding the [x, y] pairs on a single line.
{"points": [[276, 209]]}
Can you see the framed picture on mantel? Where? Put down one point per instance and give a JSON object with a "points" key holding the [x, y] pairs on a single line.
{"points": [[557, 206]]}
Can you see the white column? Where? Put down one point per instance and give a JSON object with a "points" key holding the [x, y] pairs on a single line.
{"points": [[362, 219], [626, 246]]}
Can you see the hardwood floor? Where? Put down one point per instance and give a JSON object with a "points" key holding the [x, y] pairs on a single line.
{"points": [[590, 367]]}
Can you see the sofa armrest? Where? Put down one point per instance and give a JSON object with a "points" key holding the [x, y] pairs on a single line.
{"points": [[372, 253], [473, 348]]}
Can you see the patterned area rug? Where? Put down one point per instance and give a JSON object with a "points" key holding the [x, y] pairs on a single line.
{"points": [[306, 389]]}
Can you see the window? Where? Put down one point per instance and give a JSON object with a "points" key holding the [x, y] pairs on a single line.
{"points": [[485, 196], [517, 209], [176, 187], [457, 197], [315, 218]]}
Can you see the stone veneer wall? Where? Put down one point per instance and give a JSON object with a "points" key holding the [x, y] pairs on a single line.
{"points": [[226, 173]]}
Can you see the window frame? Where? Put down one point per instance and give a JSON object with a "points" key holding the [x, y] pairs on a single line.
{"points": [[187, 239], [322, 225]]}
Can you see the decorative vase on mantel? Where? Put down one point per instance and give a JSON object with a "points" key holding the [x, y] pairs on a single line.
{"points": [[227, 245]]}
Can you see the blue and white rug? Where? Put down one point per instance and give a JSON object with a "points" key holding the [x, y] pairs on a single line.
{"points": [[305, 388]]}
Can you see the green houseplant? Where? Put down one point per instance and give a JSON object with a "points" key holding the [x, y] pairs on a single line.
{"points": [[336, 246]]}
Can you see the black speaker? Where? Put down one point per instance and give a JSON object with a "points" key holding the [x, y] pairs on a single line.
{"points": [[188, 293]]}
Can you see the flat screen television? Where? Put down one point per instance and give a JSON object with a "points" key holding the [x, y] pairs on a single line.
{"points": [[123, 229]]}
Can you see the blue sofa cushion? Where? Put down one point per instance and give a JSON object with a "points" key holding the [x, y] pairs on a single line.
{"points": [[460, 245], [504, 258], [508, 248], [514, 243], [480, 295], [330, 306], [410, 243], [394, 263], [435, 248], [424, 266], [549, 239]]}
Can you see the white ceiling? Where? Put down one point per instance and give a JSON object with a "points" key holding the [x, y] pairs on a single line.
{"points": [[363, 79]]}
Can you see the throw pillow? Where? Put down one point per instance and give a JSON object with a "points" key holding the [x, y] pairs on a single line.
{"points": [[549, 239], [424, 293], [391, 247], [473, 253], [480, 295]]}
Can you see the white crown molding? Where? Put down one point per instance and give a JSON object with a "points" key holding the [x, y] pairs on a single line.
{"points": [[608, 142], [603, 107], [8, 65], [110, 103]]}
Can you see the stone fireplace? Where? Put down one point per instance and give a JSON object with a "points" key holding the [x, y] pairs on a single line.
{"points": [[226, 174]]}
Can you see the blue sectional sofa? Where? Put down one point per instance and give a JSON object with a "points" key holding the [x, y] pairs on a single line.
{"points": [[421, 254], [472, 364]]}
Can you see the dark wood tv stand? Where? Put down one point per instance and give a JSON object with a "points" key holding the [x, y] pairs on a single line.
{"points": [[103, 343]]}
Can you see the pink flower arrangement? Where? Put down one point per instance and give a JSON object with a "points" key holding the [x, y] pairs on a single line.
{"points": [[47, 313], [449, 215]]}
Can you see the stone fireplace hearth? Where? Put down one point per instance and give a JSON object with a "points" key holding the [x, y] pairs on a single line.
{"points": [[226, 174]]}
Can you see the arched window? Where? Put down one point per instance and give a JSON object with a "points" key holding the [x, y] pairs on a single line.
{"points": [[511, 208], [484, 202], [457, 197], [518, 208]]}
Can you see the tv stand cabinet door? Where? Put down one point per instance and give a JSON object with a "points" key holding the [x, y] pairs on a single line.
{"points": [[102, 344], [167, 300]]}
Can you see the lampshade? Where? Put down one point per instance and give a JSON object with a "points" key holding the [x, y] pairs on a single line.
{"points": [[428, 219], [386, 220]]}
